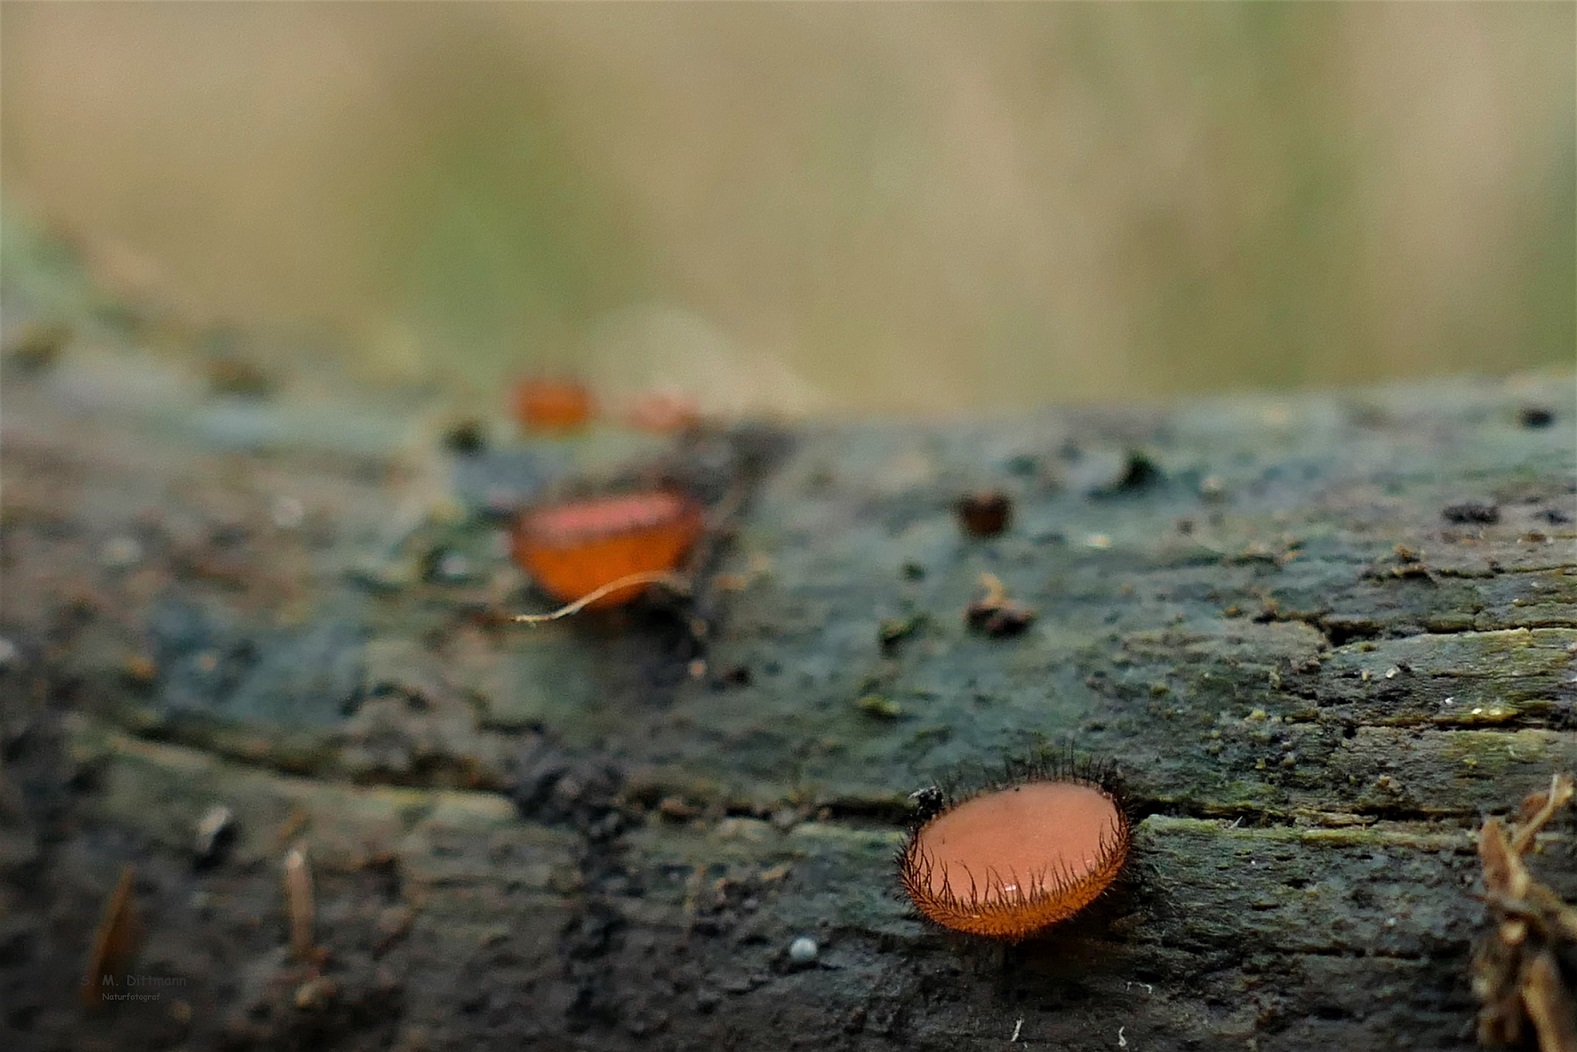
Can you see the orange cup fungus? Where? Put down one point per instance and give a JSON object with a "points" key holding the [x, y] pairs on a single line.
{"points": [[545, 405], [572, 549], [1011, 861]]}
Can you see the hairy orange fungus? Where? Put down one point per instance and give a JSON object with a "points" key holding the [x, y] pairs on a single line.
{"points": [[1009, 862], [544, 404], [575, 548]]}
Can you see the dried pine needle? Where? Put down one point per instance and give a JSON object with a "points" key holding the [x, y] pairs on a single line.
{"points": [[298, 900], [1538, 809], [1548, 1004], [1516, 973], [672, 581], [116, 941]]}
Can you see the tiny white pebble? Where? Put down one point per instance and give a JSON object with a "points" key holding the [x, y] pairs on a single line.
{"points": [[1390, 922], [803, 950]]}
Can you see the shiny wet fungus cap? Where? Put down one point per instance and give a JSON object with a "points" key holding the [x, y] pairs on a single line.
{"points": [[1010, 862], [574, 548]]}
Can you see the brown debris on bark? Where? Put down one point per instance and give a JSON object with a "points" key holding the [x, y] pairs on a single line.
{"points": [[116, 942], [1516, 969]]}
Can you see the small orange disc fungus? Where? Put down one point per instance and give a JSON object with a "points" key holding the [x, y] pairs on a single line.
{"points": [[545, 405], [1011, 861], [575, 548]]}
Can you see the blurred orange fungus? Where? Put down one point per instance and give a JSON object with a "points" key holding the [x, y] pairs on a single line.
{"points": [[575, 548], [545, 405]]}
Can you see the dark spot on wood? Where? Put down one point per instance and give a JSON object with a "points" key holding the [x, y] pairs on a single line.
{"points": [[238, 378], [38, 347], [1024, 465], [736, 676], [1138, 473], [1535, 416], [1470, 511], [985, 513], [465, 439], [998, 619]]}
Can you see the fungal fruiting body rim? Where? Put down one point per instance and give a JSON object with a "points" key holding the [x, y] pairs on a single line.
{"points": [[574, 548], [1005, 903]]}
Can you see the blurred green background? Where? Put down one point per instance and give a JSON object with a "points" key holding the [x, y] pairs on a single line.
{"points": [[824, 208]]}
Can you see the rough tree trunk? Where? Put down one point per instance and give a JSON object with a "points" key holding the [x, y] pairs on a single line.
{"points": [[1319, 635]]}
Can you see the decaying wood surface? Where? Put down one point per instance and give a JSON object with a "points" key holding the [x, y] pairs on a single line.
{"points": [[1321, 636]]}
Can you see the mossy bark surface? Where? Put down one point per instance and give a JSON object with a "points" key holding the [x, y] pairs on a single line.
{"points": [[1320, 636]]}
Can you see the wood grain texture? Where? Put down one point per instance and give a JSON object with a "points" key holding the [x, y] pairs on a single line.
{"points": [[601, 834]]}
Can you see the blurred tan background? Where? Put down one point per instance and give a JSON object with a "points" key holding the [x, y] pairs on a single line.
{"points": [[820, 207]]}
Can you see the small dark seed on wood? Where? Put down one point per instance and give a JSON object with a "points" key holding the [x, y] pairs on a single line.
{"points": [[984, 514], [1466, 511], [1535, 416], [465, 439]]}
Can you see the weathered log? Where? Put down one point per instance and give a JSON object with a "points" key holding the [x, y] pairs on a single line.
{"points": [[1320, 636]]}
